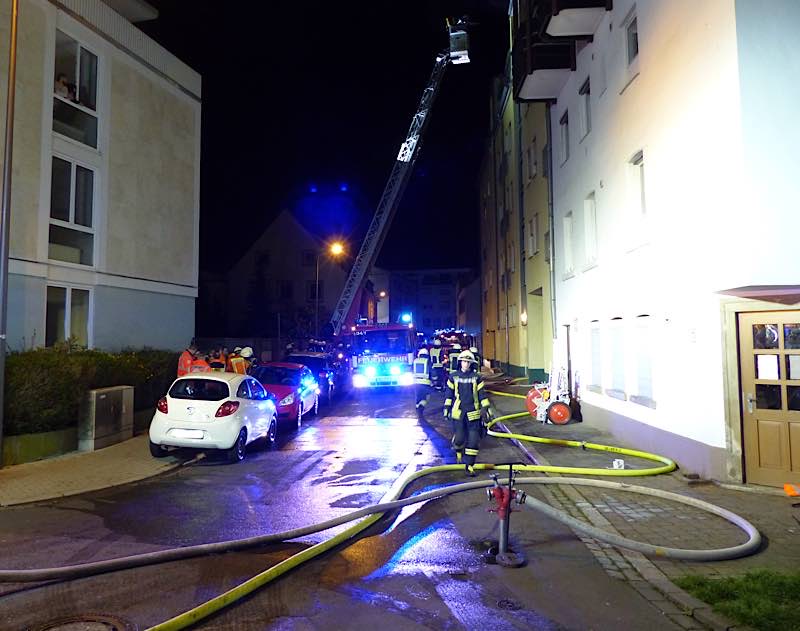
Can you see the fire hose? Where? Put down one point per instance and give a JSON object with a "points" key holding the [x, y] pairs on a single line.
{"points": [[373, 514]]}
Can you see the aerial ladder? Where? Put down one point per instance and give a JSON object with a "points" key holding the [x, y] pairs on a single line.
{"points": [[457, 53]]}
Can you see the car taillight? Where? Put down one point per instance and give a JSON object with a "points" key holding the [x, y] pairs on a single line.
{"points": [[227, 408], [162, 405]]}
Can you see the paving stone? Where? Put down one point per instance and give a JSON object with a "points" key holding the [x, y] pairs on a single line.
{"points": [[686, 622], [711, 619]]}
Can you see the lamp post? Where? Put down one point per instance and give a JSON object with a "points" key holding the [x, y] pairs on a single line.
{"points": [[334, 249]]}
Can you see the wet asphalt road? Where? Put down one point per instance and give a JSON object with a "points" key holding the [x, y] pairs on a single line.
{"points": [[424, 570]]}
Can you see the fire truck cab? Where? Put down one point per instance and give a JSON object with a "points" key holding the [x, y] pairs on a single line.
{"points": [[382, 354]]}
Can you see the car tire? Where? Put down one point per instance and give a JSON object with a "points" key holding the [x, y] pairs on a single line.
{"points": [[272, 432], [236, 452], [157, 451], [299, 415]]}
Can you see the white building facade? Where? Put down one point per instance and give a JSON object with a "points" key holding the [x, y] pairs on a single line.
{"points": [[105, 185], [674, 143]]}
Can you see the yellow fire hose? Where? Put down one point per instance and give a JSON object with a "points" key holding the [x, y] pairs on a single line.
{"points": [[223, 600], [372, 514]]}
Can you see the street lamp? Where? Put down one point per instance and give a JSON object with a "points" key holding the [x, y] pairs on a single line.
{"points": [[335, 249]]}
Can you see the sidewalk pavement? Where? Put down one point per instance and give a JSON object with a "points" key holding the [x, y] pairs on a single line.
{"points": [[638, 517], [81, 472], [657, 521]]}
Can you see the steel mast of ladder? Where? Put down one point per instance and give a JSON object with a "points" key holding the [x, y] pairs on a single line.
{"points": [[392, 193]]}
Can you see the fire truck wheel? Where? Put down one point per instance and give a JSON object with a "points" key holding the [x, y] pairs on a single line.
{"points": [[559, 413]]}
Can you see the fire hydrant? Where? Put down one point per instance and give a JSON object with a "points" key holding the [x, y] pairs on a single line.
{"points": [[503, 496]]}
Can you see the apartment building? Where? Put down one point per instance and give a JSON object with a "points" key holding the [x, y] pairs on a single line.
{"points": [[105, 188], [674, 187]]}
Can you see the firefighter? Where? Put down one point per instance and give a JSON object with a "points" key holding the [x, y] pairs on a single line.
{"points": [[437, 368], [217, 360], [200, 364], [249, 359], [237, 363], [186, 359], [478, 358], [467, 404], [422, 381], [452, 357]]}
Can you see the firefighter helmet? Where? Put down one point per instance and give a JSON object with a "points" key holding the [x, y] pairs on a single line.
{"points": [[456, 346], [423, 352], [473, 350], [247, 352], [437, 342], [467, 356]]}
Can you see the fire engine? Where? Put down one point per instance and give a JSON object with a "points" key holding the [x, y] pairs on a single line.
{"points": [[382, 354]]}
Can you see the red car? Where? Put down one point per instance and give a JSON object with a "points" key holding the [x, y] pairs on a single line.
{"points": [[295, 388]]}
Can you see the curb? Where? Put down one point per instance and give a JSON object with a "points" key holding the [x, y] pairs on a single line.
{"points": [[163, 470], [675, 603]]}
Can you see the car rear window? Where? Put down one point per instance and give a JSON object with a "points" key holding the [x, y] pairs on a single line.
{"points": [[199, 390], [278, 375]]}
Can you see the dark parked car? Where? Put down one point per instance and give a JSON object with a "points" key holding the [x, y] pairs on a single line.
{"points": [[330, 374]]}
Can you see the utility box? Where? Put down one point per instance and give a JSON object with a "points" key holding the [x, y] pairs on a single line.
{"points": [[106, 418]]}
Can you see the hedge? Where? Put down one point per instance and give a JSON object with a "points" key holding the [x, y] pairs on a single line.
{"points": [[44, 387]]}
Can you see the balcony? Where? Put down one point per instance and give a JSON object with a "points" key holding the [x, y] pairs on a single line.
{"points": [[544, 43], [541, 69], [575, 18]]}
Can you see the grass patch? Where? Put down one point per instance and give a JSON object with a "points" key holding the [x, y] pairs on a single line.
{"points": [[762, 599]]}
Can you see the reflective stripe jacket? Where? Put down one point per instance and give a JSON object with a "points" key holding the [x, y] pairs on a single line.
{"points": [[422, 371], [185, 363], [465, 393], [436, 356], [238, 364]]}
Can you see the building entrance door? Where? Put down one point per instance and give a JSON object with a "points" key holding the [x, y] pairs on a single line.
{"points": [[769, 363]]}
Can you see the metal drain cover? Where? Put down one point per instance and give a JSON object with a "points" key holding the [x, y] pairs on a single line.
{"points": [[88, 622]]}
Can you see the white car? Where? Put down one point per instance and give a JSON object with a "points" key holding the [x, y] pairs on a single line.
{"points": [[215, 410]]}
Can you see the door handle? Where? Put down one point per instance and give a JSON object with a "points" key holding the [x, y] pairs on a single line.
{"points": [[750, 401]]}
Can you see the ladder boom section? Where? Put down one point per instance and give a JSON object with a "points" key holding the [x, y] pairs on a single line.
{"points": [[390, 199]]}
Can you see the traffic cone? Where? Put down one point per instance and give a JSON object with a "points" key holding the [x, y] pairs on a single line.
{"points": [[792, 490]]}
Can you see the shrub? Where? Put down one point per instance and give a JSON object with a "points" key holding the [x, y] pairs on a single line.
{"points": [[44, 387]]}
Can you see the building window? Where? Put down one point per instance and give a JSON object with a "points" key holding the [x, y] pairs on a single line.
{"points": [[71, 237], [596, 344], [285, 290], [564, 127], [308, 257], [533, 234], [547, 247], [586, 108], [311, 294], [632, 38], [617, 353], [590, 228], [67, 315], [75, 91], [644, 362], [533, 159], [569, 265], [636, 168]]}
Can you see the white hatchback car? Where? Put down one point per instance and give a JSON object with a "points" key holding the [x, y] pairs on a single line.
{"points": [[215, 410]]}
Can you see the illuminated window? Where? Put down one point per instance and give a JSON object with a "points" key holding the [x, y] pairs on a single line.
{"points": [[564, 134], [586, 108], [71, 235], [67, 315], [590, 228], [632, 38], [75, 91]]}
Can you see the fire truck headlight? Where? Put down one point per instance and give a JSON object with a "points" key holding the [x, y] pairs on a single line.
{"points": [[406, 379], [359, 381], [370, 371], [394, 369]]}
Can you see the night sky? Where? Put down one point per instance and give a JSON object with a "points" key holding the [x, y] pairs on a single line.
{"points": [[302, 94]]}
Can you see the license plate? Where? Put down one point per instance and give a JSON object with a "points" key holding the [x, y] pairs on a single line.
{"points": [[187, 433]]}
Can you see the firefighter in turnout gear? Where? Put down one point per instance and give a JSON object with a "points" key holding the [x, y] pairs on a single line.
{"points": [[422, 381], [437, 367], [452, 357], [467, 404]]}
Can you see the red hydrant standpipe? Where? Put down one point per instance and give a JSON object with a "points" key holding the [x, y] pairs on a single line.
{"points": [[503, 496]]}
